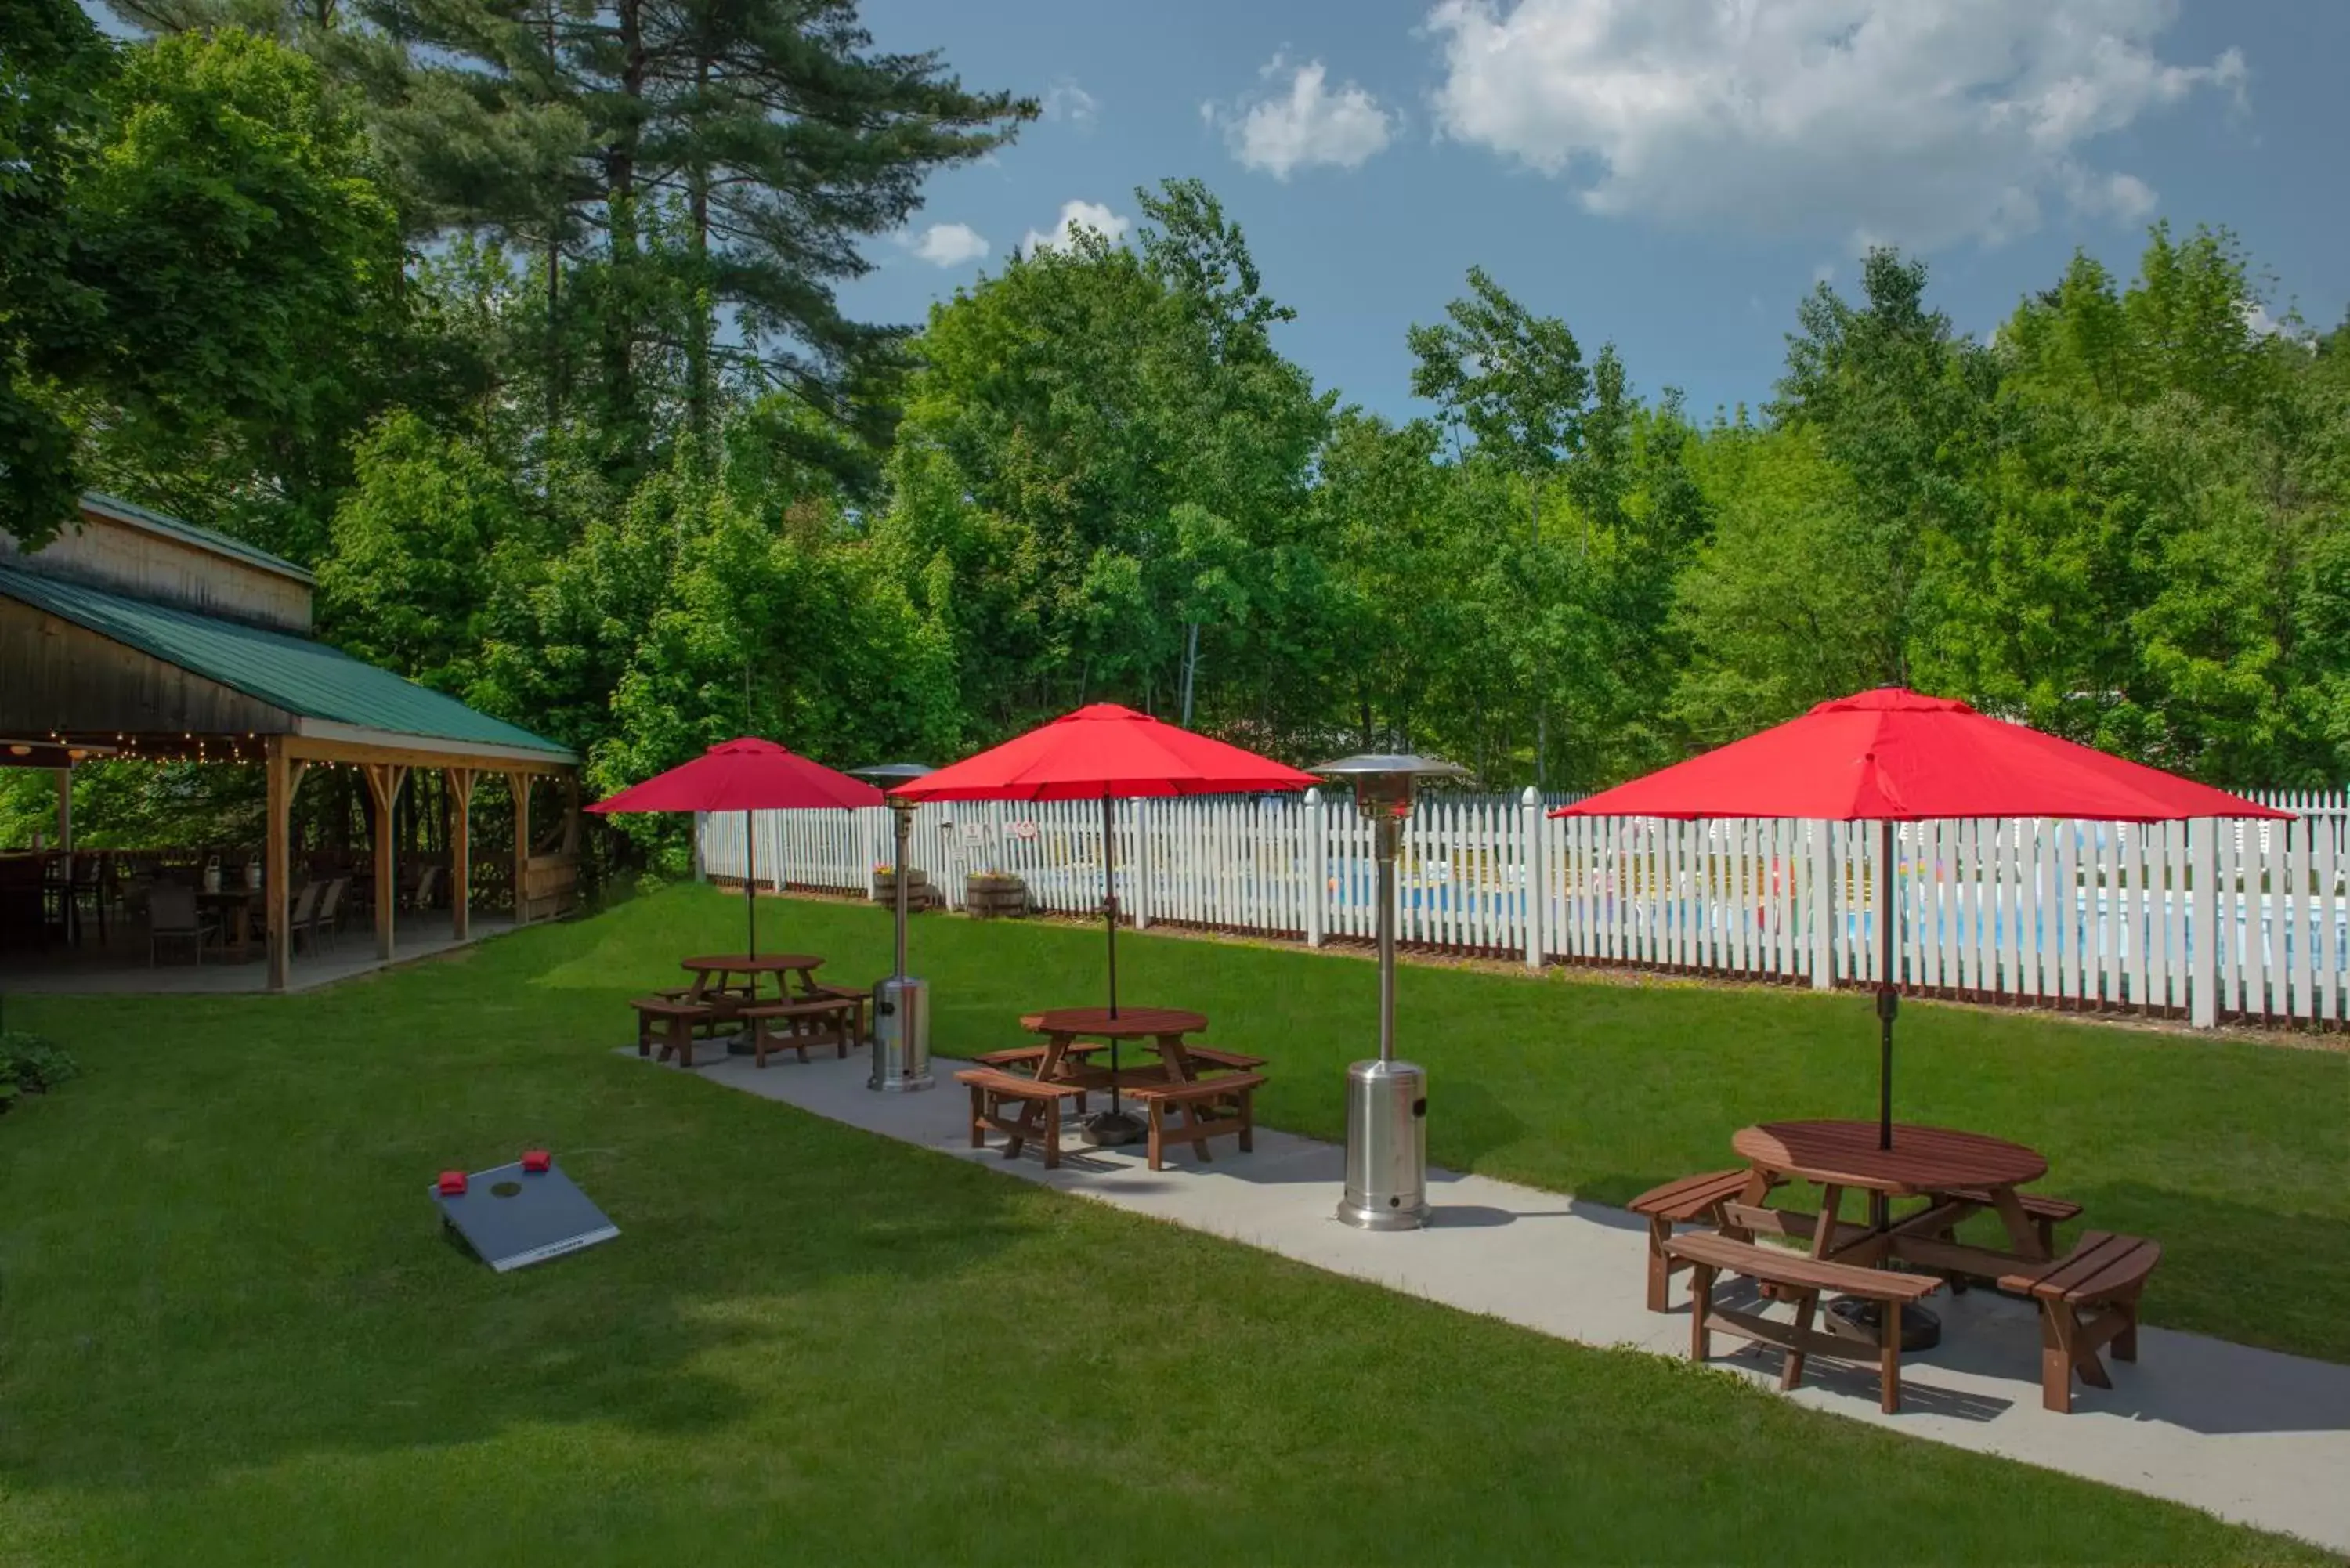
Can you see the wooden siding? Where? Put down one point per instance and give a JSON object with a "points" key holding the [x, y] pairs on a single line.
{"points": [[124, 558], [54, 674]]}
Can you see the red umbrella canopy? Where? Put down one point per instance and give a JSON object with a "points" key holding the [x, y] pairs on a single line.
{"points": [[1103, 750], [747, 774], [1892, 755]]}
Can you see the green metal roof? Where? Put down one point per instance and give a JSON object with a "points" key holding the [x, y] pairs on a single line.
{"points": [[306, 679], [188, 533]]}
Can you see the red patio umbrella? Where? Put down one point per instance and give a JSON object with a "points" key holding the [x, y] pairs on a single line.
{"points": [[747, 776], [1104, 752], [1892, 755]]}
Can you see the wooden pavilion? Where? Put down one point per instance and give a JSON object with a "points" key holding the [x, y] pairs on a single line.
{"points": [[136, 634]]}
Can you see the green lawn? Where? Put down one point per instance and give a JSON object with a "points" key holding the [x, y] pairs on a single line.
{"points": [[230, 1334]]}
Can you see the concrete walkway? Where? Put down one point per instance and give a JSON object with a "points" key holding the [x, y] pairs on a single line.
{"points": [[2250, 1435]]}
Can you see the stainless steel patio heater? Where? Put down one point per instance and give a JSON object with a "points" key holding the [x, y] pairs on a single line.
{"points": [[1387, 1100], [901, 1004]]}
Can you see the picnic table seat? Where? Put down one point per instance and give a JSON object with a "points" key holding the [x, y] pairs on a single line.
{"points": [[796, 1025], [1688, 1201], [2046, 1212], [1231, 1060], [676, 1017], [1209, 1108], [862, 1001], [2086, 1298], [1040, 1102], [1800, 1280], [1027, 1058]]}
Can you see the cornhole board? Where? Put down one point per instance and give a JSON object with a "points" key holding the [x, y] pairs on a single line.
{"points": [[513, 1218]]}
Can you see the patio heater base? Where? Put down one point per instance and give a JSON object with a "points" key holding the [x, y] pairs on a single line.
{"points": [[1921, 1329], [1114, 1129]]}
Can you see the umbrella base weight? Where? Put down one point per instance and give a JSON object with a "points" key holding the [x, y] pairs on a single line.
{"points": [[1865, 1320], [1114, 1129]]}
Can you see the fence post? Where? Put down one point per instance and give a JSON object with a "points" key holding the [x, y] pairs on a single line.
{"points": [[1138, 874], [1822, 902], [1531, 873], [2203, 924], [1314, 865]]}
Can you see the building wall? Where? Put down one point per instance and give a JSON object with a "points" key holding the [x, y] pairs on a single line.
{"points": [[50, 666], [125, 558]]}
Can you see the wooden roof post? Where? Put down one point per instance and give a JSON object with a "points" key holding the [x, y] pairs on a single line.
{"points": [[384, 780], [519, 784], [277, 860], [461, 852]]}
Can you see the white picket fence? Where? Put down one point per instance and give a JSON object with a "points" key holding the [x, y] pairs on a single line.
{"points": [[2087, 915]]}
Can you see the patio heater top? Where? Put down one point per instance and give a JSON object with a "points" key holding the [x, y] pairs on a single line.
{"points": [[1385, 782]]}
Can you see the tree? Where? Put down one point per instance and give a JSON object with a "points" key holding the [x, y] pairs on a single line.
{"points": [[1515, 381], [1102, 451], [53, 321], [251, 272], [705, 173]]}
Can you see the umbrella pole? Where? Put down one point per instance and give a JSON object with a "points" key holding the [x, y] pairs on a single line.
{"points": [[1888, 1001], [1109, 902], [751, 881]]}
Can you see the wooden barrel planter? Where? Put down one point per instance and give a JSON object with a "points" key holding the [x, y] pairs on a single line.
{"points": [[993, 893], [920, 894]]}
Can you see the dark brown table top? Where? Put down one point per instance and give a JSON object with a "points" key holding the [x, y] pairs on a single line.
{"points": [[1922, 1159], [1130, 1023]]}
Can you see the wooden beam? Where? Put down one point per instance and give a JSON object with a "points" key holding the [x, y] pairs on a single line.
{"points": [[422, 753], [461, 852], [384, 781], [278, 861], [519, 784]]}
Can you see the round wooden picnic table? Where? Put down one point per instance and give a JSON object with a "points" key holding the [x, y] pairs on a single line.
{"points": [[753, 965], [1922, 1159], [711, 972], [1928, 1162], [1062, 1026]]}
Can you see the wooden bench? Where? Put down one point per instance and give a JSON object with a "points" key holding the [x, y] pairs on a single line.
{"points": [[859, 1000], [677, 1018], [1029, 1057], [2086, 1298], [1211, 1107], [2045, 1213], [991, 1088], [796, 1025], [1692, 1199], [1231, 1061], [1800, 1280]]}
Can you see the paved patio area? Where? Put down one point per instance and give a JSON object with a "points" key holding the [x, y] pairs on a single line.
{"points": [[120, 968], [2250, 1435]]}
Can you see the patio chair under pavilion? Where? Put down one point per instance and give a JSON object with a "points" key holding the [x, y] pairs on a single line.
{"points": [[135, 635]]}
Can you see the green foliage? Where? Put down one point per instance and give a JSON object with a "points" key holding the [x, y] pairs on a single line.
{"points": [[520, 324], [31, 1063], [229, 219]]}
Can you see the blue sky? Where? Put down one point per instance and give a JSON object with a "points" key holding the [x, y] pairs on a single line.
{"points": [[1669, 174]]}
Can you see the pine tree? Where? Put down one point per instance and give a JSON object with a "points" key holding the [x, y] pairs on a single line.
{"points": [[704, 170]]}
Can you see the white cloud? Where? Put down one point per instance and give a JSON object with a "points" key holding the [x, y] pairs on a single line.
{"points": [[1076, 215], [1064, 100], [1918, 121], [1281, 130], [949, 245]]}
